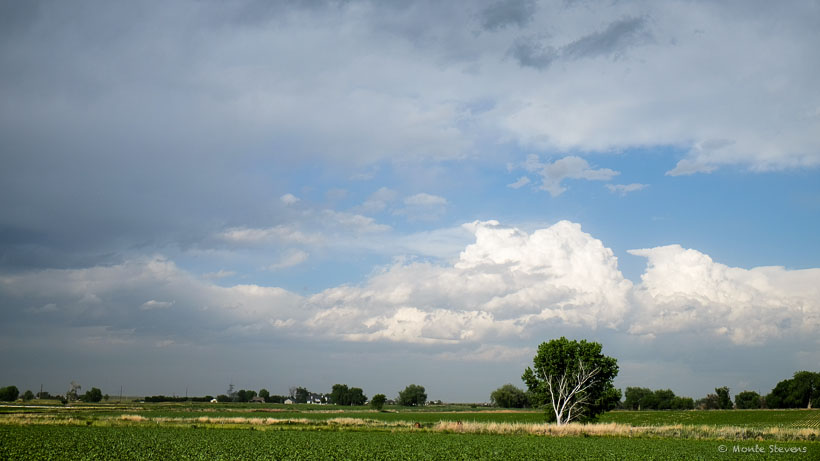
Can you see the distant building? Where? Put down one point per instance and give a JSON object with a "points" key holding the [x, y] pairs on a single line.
{"points": [[288, 402]]}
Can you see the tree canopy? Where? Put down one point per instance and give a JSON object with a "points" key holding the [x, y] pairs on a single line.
{"points": [[641, 398], [93, 395], [9, 393], [509, 396], [747, 400], [378, 400], [412, 395], [343, 395], [801, 391], [573, 380]]}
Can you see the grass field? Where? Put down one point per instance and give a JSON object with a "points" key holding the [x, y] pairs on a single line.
{"points": [[228, 431]]}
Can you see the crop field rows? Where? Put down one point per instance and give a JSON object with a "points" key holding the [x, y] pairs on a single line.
{"points": [[77, 442], [277, 432]]}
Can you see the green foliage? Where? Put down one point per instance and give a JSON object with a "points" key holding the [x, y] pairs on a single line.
{"points": [[222, 398], [343, 395], [801, 391], [724, 402], [413, 395], [747, 400], [94, 395], [562, 357], [509, 396], [9, 393], [377, 402], [28, 395], [264, 394], [641, 398], [636, 398], [710, 402], [245, 396], [301, 395], [683, 403]]}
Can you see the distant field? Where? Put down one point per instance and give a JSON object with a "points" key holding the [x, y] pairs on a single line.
{"points": [[740, 418], [248, 431]]}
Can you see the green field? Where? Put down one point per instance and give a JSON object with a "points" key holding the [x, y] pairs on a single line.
{"points": [[77, 442], [231, 431], [740, 418]]}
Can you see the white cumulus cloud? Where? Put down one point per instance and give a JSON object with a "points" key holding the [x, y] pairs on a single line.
{"points": [[502, 285], [685, 290]]}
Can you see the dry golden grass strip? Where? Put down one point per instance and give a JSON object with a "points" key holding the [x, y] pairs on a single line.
{"points": [[623, 430]]}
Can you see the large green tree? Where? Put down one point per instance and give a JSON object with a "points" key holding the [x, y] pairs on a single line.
{"points": [[509, 396], [413, 395], [801, 391], [572, 380]]}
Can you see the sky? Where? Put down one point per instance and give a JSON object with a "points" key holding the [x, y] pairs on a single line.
{"points": [[379, 193]]}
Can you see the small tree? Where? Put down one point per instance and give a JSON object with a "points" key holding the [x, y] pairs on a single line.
{"points": [[509, 396], [710, 402], [724, 401], [747, 400], [573, 380], [9, 393], [302, 395], [377, 402], [73, 392], [357, 396], [92, 396], [412, 395], [636, 398], [264, 394], [340, 394]]}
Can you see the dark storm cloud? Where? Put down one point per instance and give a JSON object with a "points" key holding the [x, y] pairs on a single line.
{"points": [[507, 13], [614, 39], [529, 52]]}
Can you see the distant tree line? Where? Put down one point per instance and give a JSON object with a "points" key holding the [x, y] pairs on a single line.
{"points": [[166, 398], [641, 398]]}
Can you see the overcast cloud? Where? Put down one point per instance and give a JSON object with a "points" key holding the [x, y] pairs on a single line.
{"points": [[287, 179]]}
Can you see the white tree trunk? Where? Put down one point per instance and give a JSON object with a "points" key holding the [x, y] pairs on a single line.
{"points": [[568, 392]]}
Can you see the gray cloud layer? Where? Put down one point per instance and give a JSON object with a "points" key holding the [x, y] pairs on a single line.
{"points": [[117, 120]]}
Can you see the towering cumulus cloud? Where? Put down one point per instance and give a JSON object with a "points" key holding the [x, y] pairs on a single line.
{"points": [[685, 290], [504, 284], [507, 285]]}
